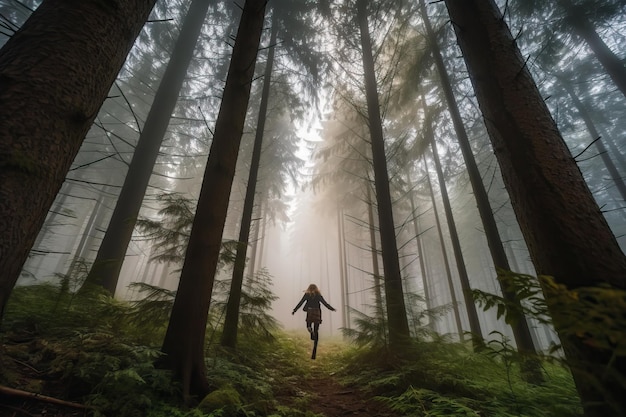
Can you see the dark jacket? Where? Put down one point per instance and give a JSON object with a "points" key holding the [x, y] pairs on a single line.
{"points": [[313, 301]]}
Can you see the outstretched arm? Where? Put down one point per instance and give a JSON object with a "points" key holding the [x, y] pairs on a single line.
{"points": [[299, 304], [328, 306]]}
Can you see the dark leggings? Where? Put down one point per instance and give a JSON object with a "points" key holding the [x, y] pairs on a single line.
{"points": [[316, 326]]}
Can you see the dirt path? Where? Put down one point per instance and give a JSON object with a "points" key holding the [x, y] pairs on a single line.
{"points": [[332, 399], [322, 393]]}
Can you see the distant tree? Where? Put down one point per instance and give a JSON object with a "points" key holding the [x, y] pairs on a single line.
{"points": [[595, 137], [291, 19], [183, 346], [470, 306], [444, 254], [565, 231], [55, 73], [108, 263], [581, 18]]}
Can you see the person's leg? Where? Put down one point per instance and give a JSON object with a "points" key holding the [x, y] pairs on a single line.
{"points": [[314, 335], [308, 326]]}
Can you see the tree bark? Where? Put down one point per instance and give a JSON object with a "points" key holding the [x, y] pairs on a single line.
{"points": [[184, 340], [55, 73], [378, 296], [231, 320], [396, 310], [106, 268], [565, 231]]}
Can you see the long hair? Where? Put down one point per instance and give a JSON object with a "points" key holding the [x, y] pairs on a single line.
{"points": [[313, 290]]}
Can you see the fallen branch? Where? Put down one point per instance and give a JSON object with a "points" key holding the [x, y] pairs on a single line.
{"points": [[33, 395]]}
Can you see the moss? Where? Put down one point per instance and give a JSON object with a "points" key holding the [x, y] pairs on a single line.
{"points": [[226, 397]]}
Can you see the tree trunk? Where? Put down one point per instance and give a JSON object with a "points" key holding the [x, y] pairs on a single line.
{"points": [[378, 296], [396, 310], [612, 64], [345, 318], [565, 231], [470, 306], [108, 263], [255, 242], [55, 73], [420, 251], [231, 320], [444, 254], [184, 340], [521, 332]]}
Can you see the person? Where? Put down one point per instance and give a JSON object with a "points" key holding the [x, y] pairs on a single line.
{"points": [[312, 299]]}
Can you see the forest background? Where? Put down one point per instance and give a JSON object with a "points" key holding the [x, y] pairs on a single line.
{"points": [[315, 213]]}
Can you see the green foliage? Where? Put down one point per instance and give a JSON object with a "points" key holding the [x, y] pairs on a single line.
{"points": [[448, 379], [528, 291], [592, 316], [372, 330], [423, 402], [256, 301], [170, 234], [99, 351]]}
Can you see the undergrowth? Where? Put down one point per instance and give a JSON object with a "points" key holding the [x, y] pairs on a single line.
{"points": [[100, 352], [439, 378]]}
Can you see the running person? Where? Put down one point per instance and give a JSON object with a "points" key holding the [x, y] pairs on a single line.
{"points": [[313, 298]]}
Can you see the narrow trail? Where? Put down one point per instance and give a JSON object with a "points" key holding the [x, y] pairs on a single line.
{"points": [[332, 399], [322, 393]]}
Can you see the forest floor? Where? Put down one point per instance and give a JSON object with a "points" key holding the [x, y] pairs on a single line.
{"points": [[322, 392], [318, 391], [332, 399]]}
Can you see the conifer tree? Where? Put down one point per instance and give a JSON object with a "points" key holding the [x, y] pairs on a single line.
{"points": [[55, 73]]}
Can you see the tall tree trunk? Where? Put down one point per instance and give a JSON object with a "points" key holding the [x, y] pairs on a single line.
{"points": [[91, 224], [184, 340], [565, 231], [231, 320], [106, 268], [262, 239], [396, 310], [470, 306], [613, 65], [345, 288], [444, 254], [345, 318], [55, 73], [255, 242], [378, 296], [521, 332], [420, 250], [595, 136]]}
